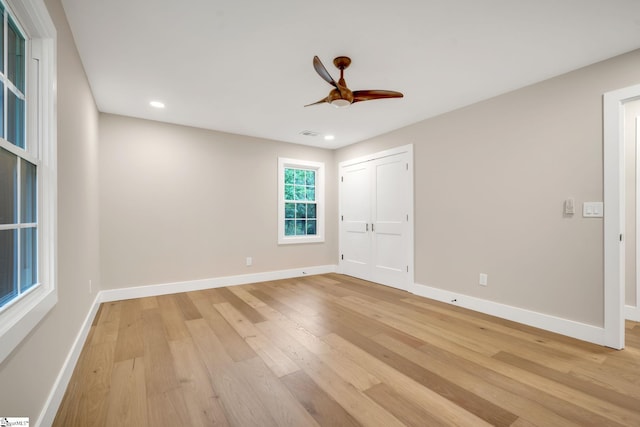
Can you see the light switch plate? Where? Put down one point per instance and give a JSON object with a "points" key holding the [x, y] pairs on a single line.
{"points": [[593, 210]]}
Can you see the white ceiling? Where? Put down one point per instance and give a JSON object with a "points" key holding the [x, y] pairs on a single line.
{"points": [[245, 66]]}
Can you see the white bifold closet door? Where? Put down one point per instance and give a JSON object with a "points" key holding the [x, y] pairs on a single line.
{"points": [[376, 232]]}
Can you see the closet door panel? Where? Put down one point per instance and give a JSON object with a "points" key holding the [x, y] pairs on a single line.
{"points": [[389, 216], [355, 224]]}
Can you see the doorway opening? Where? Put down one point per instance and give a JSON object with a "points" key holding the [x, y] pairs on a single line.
{"points": [[615, 213]]}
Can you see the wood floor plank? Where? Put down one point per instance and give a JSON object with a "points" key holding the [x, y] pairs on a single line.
{"points": [[202, 401], [129, 343], [188, 309], [159, 365], [484, 367], [488, 337], [246, 310], [235, 346], [524, 383], [339, 314], [592, 353], [620, 399], [602, 376], [85, 400], [322, 407], [172, 318], [408, 387], [165, 402], [413, 328], [358, 405], [149, 303], [307, 322], [410, 413], [277, 361], [512, 402], [349, 370], [127, 403], [241, 403], [281, 404], [106, 324]]}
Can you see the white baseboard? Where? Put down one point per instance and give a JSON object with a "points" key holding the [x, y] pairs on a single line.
{"points": [[632, 313], [217, 282], [52, 404], [581, 331]]}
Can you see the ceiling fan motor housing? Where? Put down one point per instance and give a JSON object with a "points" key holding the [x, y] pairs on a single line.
{"points": [[336, 96]]}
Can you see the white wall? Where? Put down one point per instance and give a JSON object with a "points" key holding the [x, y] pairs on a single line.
{"points": [[491, 179], [28, 374]]}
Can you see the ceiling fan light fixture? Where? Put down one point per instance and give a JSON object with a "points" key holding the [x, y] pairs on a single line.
{"points": [[340, 103]]}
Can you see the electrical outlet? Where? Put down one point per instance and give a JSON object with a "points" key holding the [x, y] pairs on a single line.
{"points": [[249, 261], [90, 287], [484, 278]]}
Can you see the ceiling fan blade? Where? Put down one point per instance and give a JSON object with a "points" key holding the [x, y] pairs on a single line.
{"points": [[317, 64], [369, 95], [317, 102]]}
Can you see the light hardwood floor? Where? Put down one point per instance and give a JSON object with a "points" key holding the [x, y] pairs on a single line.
{"points": [[332, 350]]}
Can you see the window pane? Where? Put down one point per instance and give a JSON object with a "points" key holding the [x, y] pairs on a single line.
{"points": [[301, 210], [290, 227], [300, 177], [28, 185], [289, 175], [2, 126], [8, 260], [15, 66], [311, 210], [300, 227], [289, 210], [311, 193], [301, 193], [15, 119], [288, 192], [311, 178], [311, 227], [28, 258], [8, 187]]}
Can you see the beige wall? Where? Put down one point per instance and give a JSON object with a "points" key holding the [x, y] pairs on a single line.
{"points": [[631, 111], [490, 181], [28, 375], [180, 203]]}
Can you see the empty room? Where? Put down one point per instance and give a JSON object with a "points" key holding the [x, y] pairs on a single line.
{"points": [[415, 213]]}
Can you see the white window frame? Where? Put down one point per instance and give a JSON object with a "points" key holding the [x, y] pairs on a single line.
{"points": [[301, 164], [23, 314]]}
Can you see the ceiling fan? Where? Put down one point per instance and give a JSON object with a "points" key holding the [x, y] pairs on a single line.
{"points": [[341, 95]]}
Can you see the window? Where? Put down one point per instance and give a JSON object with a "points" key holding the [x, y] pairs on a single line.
{"points": [[27, 169], [18, 169], [300, 201]]}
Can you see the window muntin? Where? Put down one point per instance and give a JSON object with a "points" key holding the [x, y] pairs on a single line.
{"points": [[300, 201]]}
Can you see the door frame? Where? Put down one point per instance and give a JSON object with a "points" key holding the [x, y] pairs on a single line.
{"points": [[614, 218], [408, 149]]}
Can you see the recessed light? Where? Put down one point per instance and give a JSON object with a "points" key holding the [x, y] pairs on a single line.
{"points": [[156, 104], [329, 137]]}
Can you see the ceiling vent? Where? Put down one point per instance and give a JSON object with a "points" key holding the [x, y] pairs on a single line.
{"points": [[309, 133]]}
